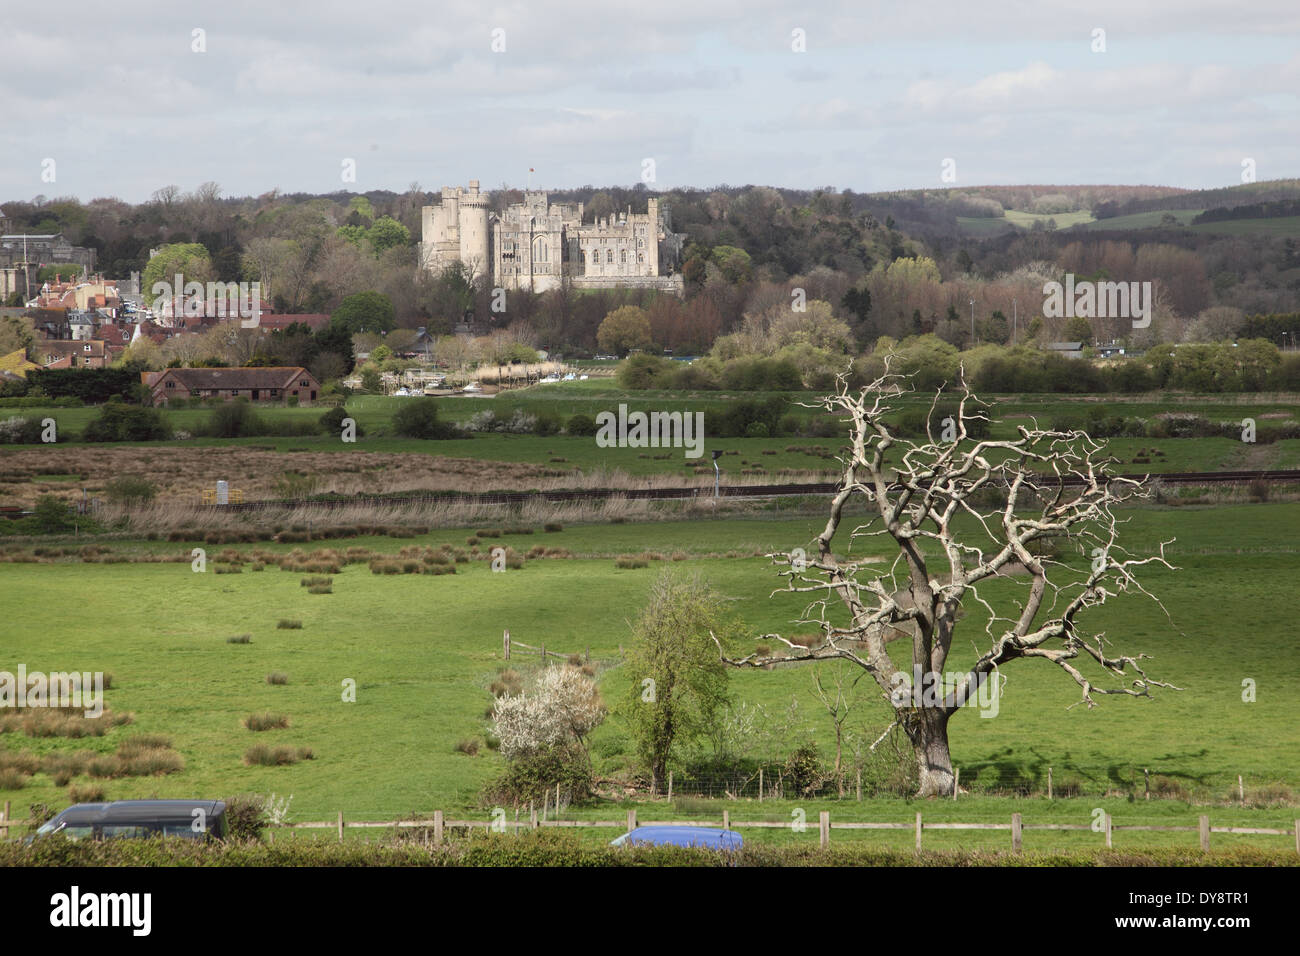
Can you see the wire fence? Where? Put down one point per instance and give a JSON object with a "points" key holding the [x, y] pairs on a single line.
{"points": [[776, 781]]}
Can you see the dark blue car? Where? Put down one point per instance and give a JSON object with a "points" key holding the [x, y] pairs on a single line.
{"points": [[710, 837]]}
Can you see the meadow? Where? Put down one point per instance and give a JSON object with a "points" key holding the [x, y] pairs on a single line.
{"points": [[423, 650], [379, 462]]}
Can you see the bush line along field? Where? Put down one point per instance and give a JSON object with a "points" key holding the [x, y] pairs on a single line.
{"points": [[423, 650]]}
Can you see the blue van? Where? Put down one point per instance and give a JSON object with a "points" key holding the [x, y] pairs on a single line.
{"points": [[709, 837]]}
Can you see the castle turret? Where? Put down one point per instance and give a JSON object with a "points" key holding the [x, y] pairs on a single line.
{"points": [[474, 228]]}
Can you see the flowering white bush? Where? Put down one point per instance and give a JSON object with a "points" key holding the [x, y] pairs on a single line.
{"points": [[519, 423], [11, 430], [562, 705]]}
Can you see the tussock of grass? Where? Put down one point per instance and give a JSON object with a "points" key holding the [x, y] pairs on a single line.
{"points": [[263, 756], [240, 639], [258, 722], [277, 678], [286, 624], [86, 793], [139, 743], [12, 779]]}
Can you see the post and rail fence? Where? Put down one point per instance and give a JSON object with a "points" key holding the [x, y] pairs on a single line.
{"points": [[438, 826]]}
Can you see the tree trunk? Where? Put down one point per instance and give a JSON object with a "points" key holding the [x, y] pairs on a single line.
{"points": [[929, 737]]}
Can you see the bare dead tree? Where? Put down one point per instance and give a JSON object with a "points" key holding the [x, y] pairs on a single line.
{"points": [[1007, 494]]}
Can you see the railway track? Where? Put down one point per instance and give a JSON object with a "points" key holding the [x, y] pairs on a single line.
{"points": [[729, 491]]}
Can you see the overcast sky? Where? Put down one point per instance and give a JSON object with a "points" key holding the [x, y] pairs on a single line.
{"points": [[586, 91]]}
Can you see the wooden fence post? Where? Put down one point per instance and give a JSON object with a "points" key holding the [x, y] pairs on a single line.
{"points": [[4, 823], [726, 819], [437, 828], [1146, 776], [670, 786], [824, 826], [1015, 832], [1109, 829], [532, 816], [956, 781], [505, 643], [760, 784], [1205, 832], [918, 833], [859, 785], [631, 820], [1297, 835], [1049, 783], [340, 826], [1241, 789], [546, 800]]}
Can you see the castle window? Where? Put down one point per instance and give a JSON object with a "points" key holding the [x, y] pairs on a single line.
{"points": [[609, 256], [622, 256], [640, 257]]}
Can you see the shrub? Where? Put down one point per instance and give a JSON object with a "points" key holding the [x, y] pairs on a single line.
{"points": [[331, 423], [803, 770], [234, 419], [21, 431], [583, 425], [240, 639], [418, 418], [285, 624], [52, 515], [130, 489], [469, 746], [118, 421], [553, 526], [277, 678], [245, 819]]}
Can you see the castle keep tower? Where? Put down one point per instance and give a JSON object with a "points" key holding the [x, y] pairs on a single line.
{"points": [[456, 230]]}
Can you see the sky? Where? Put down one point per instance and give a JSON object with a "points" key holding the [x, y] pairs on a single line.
{"points": [[119, 101]]}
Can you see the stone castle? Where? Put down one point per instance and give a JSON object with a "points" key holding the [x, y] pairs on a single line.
{"points": [[537, 245]]}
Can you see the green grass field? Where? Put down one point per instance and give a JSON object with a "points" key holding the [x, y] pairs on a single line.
{"points": [[423, 649], [374, 414]]}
